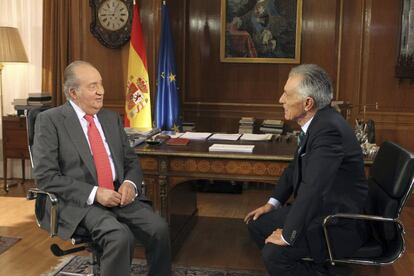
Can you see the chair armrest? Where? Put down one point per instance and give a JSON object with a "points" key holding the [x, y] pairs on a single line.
{"points": [[34, 193], [357, 217]]}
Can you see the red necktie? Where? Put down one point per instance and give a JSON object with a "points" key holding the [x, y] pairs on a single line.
{"points": [[100, 156]]}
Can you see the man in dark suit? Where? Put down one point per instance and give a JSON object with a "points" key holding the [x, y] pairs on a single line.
{"points": [[325, 177], [81, 154]]}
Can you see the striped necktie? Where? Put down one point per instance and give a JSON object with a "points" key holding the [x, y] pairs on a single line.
{"points": [[100, 156], [301, 136]]}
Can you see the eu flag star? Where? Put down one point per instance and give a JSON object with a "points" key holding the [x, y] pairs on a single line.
{"points": [[175, 128], [171, 77]]}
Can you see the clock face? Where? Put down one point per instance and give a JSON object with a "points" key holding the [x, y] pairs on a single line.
{"points": [[113, 14], [111, 21]]}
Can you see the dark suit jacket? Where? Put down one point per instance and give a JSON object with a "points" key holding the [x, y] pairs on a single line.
{"points": [[326, 177], [63, 163]]}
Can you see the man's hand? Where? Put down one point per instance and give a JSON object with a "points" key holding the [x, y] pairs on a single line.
{"points": [[107, 197], [276, 238], [127, 191], [255, 214]]}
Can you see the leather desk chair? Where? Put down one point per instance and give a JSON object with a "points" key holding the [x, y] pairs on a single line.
{"points": [[81, 237], [390, 185]]}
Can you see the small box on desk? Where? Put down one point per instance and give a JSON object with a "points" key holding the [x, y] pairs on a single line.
{"points": [[177, 141]]}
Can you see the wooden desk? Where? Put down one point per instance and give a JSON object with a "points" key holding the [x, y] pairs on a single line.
{"points": [[14, 143], [165, 167]]}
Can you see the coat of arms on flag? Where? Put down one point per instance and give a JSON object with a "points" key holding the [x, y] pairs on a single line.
{"points": [[137, 96], [137, 99]]}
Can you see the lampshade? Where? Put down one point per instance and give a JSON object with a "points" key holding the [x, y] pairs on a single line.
{"points": [[11, 46]]}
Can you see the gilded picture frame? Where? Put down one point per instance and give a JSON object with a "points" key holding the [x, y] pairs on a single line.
{"points": [[261, 31], [405, 63]]}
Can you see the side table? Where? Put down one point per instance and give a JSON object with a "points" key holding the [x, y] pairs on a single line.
{"points": [[14, 143]]}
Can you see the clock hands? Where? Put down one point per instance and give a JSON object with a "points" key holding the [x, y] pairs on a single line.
{"points": [[113, 15]]}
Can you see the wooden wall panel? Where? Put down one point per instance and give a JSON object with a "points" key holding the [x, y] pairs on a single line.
{"points": [[210, 81], [356, 41], [367, 71], [223, 92], [113, 63], [381, 85], [351, 51], [319, 34]]}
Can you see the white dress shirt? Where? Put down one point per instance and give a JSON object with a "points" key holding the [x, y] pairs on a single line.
{"points": [[81, 116]]}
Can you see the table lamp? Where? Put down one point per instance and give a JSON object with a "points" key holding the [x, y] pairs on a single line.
{"points": [[11, 50]]}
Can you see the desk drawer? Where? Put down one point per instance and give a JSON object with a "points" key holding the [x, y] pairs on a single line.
{"points": [[18, 154], [230, 167], [14, 123], [15, 138]]}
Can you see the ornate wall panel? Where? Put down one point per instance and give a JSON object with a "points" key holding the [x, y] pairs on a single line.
{"points": [[355, 40], [368, 58]]}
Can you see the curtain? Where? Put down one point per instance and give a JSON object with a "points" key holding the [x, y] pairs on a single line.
{"points": [[20, 79], [56, 50]]}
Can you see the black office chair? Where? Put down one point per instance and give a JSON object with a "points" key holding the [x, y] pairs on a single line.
{"points": [[81, 236], [390, 185]]}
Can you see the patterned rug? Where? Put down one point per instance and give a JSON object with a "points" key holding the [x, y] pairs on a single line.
{"points": [[80, 264], [7, 242]]}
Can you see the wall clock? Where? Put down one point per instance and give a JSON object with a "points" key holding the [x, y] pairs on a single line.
{"points": [[111, 21]]}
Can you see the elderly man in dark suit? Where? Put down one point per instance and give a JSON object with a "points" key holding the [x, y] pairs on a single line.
{"points": [[81, 154], [325, 177]]}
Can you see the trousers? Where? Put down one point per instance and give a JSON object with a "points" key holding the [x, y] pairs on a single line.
{"points": [[116, 230]]}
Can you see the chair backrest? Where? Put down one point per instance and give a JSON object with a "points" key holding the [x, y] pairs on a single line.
{"points": [[393, 172], [390, 185], [31, 115]]}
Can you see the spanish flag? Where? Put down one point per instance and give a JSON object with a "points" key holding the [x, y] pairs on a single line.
{"points": [[138, 103]]}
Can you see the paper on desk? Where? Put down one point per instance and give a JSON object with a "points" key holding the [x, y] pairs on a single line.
{"points": [[141, 131], [176, 134], [231, 148], [256, 137], [196, 135], [225, 136]]}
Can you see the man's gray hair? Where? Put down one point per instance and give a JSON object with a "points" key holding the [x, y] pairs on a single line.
{"points": [[70, 81], [315, 83]]}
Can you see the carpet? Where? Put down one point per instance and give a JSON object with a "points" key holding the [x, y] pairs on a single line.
{"points": [[7, 242], [79, 264]]}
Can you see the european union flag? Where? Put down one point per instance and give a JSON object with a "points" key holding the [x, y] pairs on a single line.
{"points": [[167, 109]]}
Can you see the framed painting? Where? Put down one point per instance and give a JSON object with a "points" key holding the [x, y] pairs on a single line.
{"points": [[405, 63], [261, 31]]}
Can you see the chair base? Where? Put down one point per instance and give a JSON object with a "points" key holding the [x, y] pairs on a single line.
{"points": [[76, 274], [58, 252], [95, 257]]}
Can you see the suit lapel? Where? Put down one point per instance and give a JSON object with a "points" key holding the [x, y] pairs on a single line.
{"points": [[76, 134], [297, 176]]}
